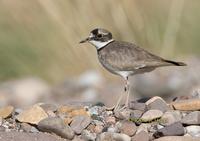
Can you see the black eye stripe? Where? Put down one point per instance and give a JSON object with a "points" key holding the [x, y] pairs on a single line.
{"points": [[99, 35]]}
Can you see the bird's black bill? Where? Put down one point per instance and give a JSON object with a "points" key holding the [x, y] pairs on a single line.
{"points": [[85, 40]]}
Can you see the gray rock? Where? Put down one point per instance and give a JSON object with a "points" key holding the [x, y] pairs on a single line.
{"points": [[187, 105], [151, 115], [177, 138], [157, 103], [135, 114], [175, 129], [21, 136], [108, 136], [28, 128], [143, 127], [49, 107], [110, 120], [123, 114], [141, 136], [192, 118], [127, 127], [79, 123], [57, 126], [170, 117], [193, 130], [134, 105], [88, 136]]}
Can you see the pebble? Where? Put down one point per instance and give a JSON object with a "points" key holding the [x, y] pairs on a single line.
{"points": [[170, 117], [192, 118], [88, 136], [72, 111], [123, 114], [141, 136], [98, 129], [193, 130], [49, 107], [157, 103], [143, 127], [175, 129], [110, 120], [151, 115], [127, 127], [79, 123], [28, 128], [5, 112], [134, 105], [135, 114], [177, 138], [109, 136], [187, 105], [32, 115], [57, 126]]}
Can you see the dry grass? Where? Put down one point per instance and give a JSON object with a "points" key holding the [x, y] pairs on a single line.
{"points": [[40, 37]]}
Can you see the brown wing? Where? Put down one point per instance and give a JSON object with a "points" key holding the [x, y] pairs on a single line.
{"points": [[128, 56]]}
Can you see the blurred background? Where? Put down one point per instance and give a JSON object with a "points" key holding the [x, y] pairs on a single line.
{"points": [[41, 60]]}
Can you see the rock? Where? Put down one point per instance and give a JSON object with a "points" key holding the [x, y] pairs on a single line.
{"points": [[5, 112], [78, 138], [57, 126], [108, 136], [157, 103], [170, 117], [72, 111], [96, 110], [187, 105], [135, 115], [110, 120], [88, 136], [79, 123], [122, 114], [51, 114], [192, 118], [151, 115], [79, 112], [143, 127], [127, 127], [32, 115], [49, 107], [193, 130], [67, 121], [141, 136], [98, 129], [134, 105], [112, 129], [28, 128], [21, 136], [175, 129], [177, 138]]}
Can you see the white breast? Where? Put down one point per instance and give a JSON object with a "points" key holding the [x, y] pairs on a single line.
{"points": [[99, 44]]}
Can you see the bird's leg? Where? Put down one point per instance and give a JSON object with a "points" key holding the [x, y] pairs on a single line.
{"points": [[128, 92], [126, 89]]}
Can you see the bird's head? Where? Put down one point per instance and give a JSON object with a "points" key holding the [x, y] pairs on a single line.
{"points": [[99, 37]]}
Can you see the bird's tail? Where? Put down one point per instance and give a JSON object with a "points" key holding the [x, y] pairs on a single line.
{"points": [[175, 63]]}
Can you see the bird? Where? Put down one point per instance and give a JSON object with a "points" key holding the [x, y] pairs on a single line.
{"points": [[124, 58]]}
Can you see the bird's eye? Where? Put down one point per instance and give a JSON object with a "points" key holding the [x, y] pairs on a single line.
{"points": [[99, 35]]}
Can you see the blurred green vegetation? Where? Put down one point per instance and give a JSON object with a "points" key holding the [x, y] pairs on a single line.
{"points": [[40, 37]]}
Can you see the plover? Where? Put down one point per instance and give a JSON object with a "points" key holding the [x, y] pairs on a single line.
{"points": [[124, 58]]}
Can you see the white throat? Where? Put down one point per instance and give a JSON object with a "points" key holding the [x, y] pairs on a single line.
{"points": [[99, 44]]}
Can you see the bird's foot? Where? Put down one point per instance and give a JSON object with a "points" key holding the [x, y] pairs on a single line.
{"points": [[110, 108], [120, 108]]}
